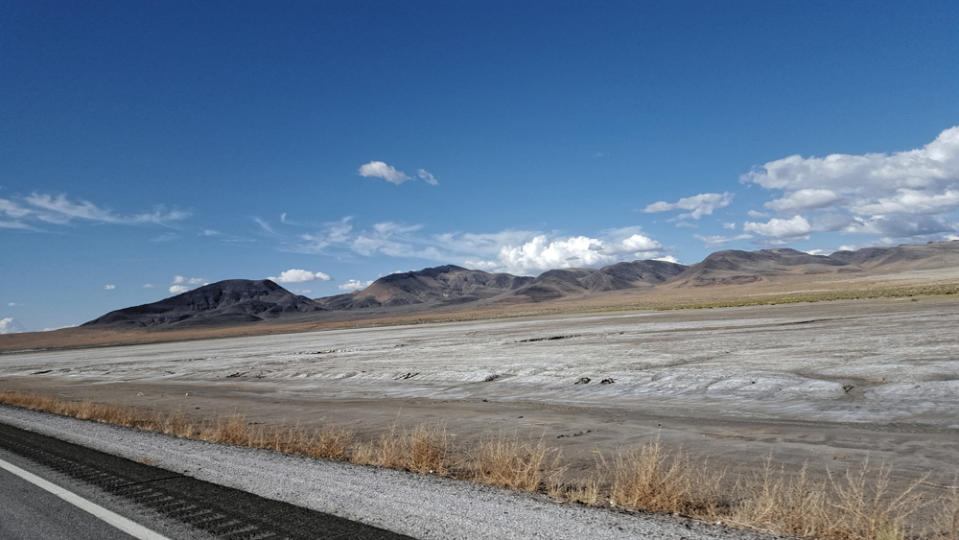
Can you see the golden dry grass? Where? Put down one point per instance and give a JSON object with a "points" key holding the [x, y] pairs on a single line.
{"points": [[511, 463], [854, 504]]}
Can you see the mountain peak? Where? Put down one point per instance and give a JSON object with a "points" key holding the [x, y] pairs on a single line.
{"points": [[231, 300]]}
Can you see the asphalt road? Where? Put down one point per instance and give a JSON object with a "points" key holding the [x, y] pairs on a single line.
{"points": [[170, 504], [28, 512]]}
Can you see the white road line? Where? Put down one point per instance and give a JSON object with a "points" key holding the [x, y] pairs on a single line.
{"points": [[130, 527]]}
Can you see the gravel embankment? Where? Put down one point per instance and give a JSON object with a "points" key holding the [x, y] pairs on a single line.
{"points": [[421, 506]]}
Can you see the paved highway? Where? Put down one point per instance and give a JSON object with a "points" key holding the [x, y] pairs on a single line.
{"points": [[150, 503], [28, 512]]}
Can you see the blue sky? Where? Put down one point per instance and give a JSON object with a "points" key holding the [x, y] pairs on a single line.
{"points": [[150, 147]]}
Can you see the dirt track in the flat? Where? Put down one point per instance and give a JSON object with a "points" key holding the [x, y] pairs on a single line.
{"points": [[826, 383]]}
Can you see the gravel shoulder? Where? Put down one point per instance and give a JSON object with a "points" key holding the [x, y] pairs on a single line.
{"points": [[417, 505]]}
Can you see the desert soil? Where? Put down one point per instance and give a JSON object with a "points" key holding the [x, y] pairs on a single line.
{"points": [[826, 383]]}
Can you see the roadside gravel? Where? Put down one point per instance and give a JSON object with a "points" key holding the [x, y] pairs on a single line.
{"points": [[417, 505]]}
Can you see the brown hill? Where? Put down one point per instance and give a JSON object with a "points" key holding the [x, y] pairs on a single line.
{"points": [[737, 267], [905, 257]]}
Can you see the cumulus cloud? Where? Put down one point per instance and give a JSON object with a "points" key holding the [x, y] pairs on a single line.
{"points": [[379, 169], [354, 285], [910, 201], [797, 226], [542, 253], [508, 250], [182, 284], [697, 205], [109, 287], [803, 199], [297, 275], [891, 227], [9, 325], [905, 193], [427, 177]]}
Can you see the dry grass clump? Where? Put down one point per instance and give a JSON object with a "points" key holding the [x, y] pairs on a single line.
{"points": [[946, 520], [652, 479], [422, 449], [855, 504], [510, 463]]}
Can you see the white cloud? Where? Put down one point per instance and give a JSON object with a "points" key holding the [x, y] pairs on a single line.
{"points": [[178, 289], [109, 286], [697, 205], [910, 201], [803, 199], [755, 214], [508, 250], [898, 195], [379, 169], [149, 286], [165, 237], [353, 285], [210, 232], [13, 209], [780, 228], [60, 209], [13, 304], [899, 226], [427, 177], [730, 225], [9, 325], [541, 253], [718, 240], [190, 281], [929, 166], [264, 225], [297, 275]]}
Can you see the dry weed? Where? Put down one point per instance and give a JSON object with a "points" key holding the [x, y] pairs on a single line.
{"points": [[423, 449], [508, 462], [857, 504]]}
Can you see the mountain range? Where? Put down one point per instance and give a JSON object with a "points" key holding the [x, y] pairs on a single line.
{"points": [[242, 301]]}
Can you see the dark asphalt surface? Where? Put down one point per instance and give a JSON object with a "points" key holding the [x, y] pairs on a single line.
{"points": [[30, 513], [166, 502]]}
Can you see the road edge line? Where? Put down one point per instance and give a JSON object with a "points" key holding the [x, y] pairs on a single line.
{"points": [[116, 520]]}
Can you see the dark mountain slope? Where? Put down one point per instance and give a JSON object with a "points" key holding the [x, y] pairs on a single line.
{"points": [[625, 275], [447, 284], [224, 302]]}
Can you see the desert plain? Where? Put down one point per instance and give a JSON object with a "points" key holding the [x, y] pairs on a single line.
{"points": [[825, 384]]}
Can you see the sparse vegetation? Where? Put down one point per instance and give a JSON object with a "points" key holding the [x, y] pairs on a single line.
{"points": [[825, 296], [854, 504]]}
